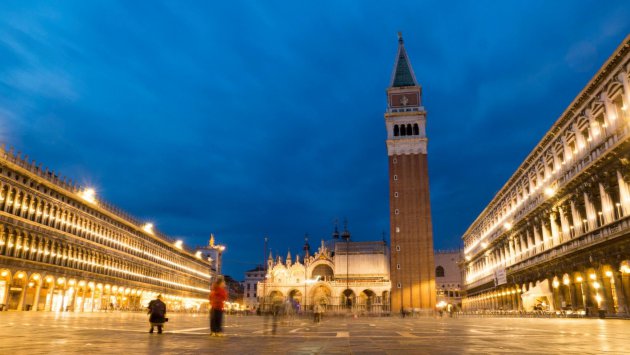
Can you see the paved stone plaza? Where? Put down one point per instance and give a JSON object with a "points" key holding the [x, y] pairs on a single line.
{"points": [[126, 333]]}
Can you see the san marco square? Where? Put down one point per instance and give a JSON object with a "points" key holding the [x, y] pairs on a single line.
{"points": [[257, 178]]}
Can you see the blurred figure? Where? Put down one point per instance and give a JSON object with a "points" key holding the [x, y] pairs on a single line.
{"points": [[317, 312], [218, 295], [278, 306], [157, 314]]}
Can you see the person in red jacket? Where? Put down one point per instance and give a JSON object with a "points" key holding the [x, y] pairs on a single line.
{"points": [[218, 295]]}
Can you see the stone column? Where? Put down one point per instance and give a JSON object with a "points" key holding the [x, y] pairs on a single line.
{"points": [[512, 250], [610, 115], [20, 306], [38, 289], [573, 293], [49, 300], [92, 292], [622, 308]]}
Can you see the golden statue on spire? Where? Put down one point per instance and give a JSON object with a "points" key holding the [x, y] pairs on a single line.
{"points": [[211, 240]]}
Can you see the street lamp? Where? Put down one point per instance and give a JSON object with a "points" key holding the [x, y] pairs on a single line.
{"points": [[346, 236], [264, 296], [305, 260]]}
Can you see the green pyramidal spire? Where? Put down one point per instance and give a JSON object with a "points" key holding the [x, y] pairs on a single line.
{"points": [[403, 73]]}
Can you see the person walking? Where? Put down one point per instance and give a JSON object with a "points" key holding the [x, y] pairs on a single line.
{"points": [[218, 295], [157, 314]]}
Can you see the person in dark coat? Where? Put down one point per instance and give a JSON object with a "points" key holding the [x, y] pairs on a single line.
{"points": [[218, 296], [157, 312]]}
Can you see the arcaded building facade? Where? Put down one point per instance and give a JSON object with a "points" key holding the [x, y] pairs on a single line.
{"points": [[556, 237], [411, 230], [63, 249]]}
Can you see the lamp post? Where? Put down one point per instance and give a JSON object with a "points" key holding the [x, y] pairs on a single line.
{"points": [[264, 296], [346, 236], [305, 273]]}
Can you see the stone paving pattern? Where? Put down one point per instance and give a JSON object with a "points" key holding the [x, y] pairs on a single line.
{"points": [[127, 333]]}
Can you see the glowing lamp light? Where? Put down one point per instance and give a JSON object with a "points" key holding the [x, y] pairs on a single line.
{"points": [[49, 279], [71, 282], [507, 225], [148, 227], [596, 285], [4, 273], [88, 195], [198, 254], [179, 244], [35, 277], [579, 279], [598, 298], [484, 245], [550, 192], [61, 281], [20, 276], [566, 282], [31, 284], [608, 273], [555, 283], [593, 276]]}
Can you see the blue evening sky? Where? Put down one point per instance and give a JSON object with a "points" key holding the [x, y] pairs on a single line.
{"points": [[266, 117]]}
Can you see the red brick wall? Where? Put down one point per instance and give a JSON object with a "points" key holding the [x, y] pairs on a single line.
{"points": [[415, 238]]}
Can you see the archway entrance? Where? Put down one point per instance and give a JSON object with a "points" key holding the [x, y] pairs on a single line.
{"points": [[348, 299], [367, 298]]}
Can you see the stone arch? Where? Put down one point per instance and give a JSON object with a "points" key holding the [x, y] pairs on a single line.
{"points": [[323, 271], [321, 293], [367, 298], [295, 295], [17, 288], [348, 298]]}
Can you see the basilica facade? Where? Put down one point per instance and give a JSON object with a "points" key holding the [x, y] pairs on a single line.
{"points": [[341, 275], [556, 237], [64, 249]]}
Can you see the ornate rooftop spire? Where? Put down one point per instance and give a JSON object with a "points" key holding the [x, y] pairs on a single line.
{"points": [[345, 235], [403, 72], [307, 248]]}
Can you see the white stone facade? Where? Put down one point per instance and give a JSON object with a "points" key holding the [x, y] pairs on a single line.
{"points": [[361, 285]]}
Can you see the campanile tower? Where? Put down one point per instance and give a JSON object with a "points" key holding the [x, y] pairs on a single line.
{"points": [[412, 267]]}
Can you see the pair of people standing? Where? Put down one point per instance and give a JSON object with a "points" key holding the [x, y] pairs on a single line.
{"points": [[218, 296]]}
